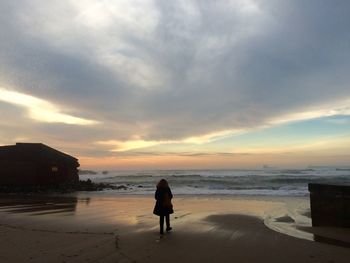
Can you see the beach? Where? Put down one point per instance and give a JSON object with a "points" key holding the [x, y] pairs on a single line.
{"points": [[121, 228]]}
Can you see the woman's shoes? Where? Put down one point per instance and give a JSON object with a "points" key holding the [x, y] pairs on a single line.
{"points": [[167, 230]]}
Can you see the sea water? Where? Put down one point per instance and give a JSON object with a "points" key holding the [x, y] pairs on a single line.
{"points": [[267, 181]]}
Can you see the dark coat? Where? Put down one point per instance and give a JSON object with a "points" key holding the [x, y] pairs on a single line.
{"points": [[159, 208]]}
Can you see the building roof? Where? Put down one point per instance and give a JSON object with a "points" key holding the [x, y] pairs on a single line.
{"points": [[33, 152]]}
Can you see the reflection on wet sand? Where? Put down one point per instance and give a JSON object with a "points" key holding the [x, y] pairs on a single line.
{"points": [[100, 228], [84, 210], [127, 211], [40, 205]]}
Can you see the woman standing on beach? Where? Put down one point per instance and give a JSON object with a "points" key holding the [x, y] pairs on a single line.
{"points": [[163, 207]]}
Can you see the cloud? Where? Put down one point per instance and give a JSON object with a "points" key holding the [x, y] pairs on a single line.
{"points": [[179, 154], [338, 121], [41, 110], [167, 72], [128, 145], [342, 108]]}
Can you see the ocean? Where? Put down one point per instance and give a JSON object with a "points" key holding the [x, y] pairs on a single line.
{"points": [[267, 182]]}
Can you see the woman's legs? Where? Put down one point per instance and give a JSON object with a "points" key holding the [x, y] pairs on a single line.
{"points": [[161, 224], [167, 222]]}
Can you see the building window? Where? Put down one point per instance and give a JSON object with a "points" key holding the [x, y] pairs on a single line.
{"points": [[54, 169]]}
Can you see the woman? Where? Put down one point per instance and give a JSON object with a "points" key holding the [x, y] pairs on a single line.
{"points": [[163, 207]]}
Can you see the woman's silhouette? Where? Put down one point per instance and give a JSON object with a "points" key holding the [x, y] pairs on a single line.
{"points": [[163, 207]]}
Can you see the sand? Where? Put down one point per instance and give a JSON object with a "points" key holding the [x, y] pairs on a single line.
{"points": [[99, 228]]}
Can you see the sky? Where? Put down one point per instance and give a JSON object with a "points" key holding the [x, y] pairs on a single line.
{"points": [[141, 84]]}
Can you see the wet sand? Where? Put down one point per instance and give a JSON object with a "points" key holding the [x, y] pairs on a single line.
{"points": [[98, 228]]}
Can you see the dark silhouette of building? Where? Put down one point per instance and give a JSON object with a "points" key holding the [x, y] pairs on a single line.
{"points": [[330, 205], [36, 164]]}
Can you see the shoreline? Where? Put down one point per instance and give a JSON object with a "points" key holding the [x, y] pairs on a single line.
{"points": [[108, 229]]}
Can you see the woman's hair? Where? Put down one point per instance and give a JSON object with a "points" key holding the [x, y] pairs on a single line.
{"points": [[162, 184]]}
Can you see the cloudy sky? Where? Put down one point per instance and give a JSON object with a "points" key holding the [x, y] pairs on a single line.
{"points": [[134, 84]]}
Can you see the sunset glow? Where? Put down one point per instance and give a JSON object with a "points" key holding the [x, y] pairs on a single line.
{"points": [[178, 84]]}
